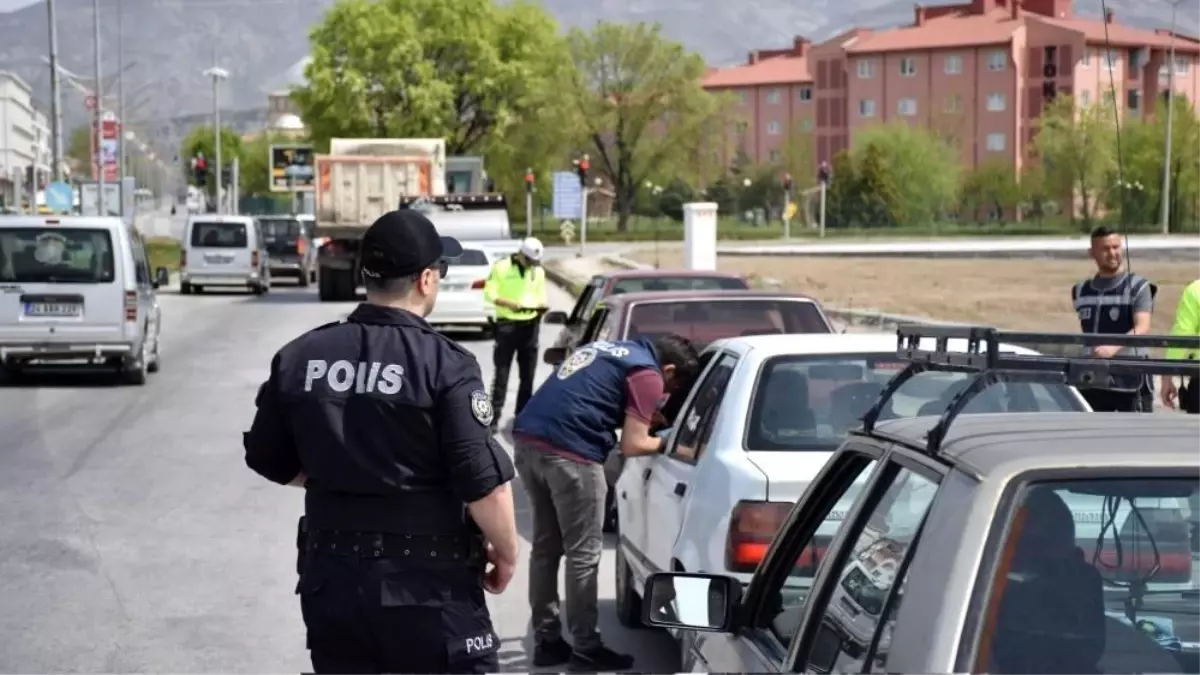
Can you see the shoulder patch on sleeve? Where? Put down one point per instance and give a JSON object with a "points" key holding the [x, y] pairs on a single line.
{"points": [[481, 407]]}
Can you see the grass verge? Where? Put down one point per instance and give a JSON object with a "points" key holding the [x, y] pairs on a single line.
{"points": [[163, 252]]}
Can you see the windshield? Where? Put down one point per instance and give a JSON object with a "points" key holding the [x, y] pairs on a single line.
{"points": [[219, 235], [472, 257], [705, 320], [807, 402], [280, 227], [681, 283], [38, 255], [1102, 578]]}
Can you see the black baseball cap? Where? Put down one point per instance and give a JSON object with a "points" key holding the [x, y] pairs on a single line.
{"points": [[402, 243]]}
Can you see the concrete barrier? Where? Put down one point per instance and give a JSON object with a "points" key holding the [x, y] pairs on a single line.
{"points": [[1170, 247]]}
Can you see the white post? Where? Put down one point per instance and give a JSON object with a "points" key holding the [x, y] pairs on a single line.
{"points": [[1166, 180], [528, 213], [583, 196], [97, 90], [700, 236], [821, 225], [234, 193], [787, 222]]}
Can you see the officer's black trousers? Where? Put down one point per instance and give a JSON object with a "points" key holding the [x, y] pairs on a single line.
{"points": [[381, 615], [520, 339], [1108, 400], [1189, 396]]}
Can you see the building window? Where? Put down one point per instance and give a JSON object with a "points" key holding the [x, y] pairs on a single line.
{"points": [[907, 107], [1085, 99], [804, 94], [774, 155], [954, 104], [997, 60], [1111, 58], [1135, 62], [1086, 61], [1182, 63], [773, 96], [806, 124], [866, 107], [908, 66], [866, 69], [995, 142], [1135, 100], [744, 95], [773, 128], [995, 103], [953, 65]]}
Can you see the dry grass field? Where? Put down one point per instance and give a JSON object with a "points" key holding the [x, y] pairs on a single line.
{"points": [[1014, 294]]}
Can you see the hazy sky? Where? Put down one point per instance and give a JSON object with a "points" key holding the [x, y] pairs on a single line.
{"points": [[10, 5]]}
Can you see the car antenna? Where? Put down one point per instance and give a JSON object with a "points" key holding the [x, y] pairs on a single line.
{"points": [[1112, 87]]}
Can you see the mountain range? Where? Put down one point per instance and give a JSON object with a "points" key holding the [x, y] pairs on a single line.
{"points": [[169, 43]]}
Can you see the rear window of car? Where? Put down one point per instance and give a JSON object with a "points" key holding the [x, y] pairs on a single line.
{"points": [[472, 257], [280, 227], [807, 402], [219, 235], [680, 283], [38, 255], [704, 320]]}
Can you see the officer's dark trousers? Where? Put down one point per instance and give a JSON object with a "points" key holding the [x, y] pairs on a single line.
{"points": [[520, 339], [381, 615], [1108, 400], [1189, 396]]}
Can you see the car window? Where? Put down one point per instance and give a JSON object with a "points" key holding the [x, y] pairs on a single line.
{"points": [[608, 327], [697, 422], [1096, 575], [787, 600], [472, 257], [585, 298], [854, 610], [680, 283], [706, 320], [140, 266], [280, 227], [806, 402], [219, 235], [64, 255], [593, 326]]}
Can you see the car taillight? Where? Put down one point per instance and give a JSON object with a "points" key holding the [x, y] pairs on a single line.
{"points": [[751, 528], [131, 306], [301, 246], [477, 285], [183, 258], [254, 258]]}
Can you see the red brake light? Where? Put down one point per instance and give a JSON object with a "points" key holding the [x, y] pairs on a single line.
{"points": [[752, 525], [254, 258], [131, 310], [301, 246], [477, 285]]}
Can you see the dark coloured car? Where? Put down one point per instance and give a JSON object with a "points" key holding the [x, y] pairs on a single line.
{"points": [[290, 250]]}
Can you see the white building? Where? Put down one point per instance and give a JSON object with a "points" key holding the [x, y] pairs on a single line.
{"points": [[43, 153], [18, 133]]}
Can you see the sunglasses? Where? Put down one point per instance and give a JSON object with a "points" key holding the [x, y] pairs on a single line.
{"points": [[442, 267]]}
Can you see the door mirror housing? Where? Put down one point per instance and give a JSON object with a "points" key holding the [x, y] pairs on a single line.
{"points": [[556, 318], [162, 277], [700, 602], [554, 355]]}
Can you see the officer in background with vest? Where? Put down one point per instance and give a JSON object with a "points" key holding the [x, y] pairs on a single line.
{"points": [[561, 440], [408, 510], [1187, 322], [1115, 302], [516, 285]]}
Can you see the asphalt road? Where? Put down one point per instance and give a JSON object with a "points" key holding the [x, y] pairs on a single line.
{"points": [[134, 538]]}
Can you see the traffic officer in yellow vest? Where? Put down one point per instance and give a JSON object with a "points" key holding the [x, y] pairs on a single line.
{"points": [[516, 285], [1187, 322]]}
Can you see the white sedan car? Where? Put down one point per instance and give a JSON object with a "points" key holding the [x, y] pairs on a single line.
{"points": [[764, 416], [460, 301]]}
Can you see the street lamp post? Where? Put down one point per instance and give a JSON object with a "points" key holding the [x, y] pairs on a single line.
{"points": [[1166, 180], [98, 133], [56, 148], [121, 168], [217, 74]]}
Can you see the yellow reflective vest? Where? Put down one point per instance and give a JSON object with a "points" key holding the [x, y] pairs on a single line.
{"points": [[528, 289], [1187, 320]]}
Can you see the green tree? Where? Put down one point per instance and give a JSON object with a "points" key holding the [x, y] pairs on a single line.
{"points": [[798, 156], [639, 104], [1078, 147], [1035, 194], [1143, 145], [925, 171], [990, 190], [202, 140], [878, 197], [79, 151], [842, 198]]}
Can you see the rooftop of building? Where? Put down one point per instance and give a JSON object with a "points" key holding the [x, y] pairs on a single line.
{"points": [[765, 67]]}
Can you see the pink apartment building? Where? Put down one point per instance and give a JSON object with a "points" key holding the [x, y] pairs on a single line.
{"points": [[980, 72]]}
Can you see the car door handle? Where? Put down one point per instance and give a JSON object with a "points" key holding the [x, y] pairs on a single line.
{"points": [[680, 489], [646, 474], [624, 495]]}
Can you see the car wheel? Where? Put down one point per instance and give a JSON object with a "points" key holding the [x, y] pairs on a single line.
{"points": [[185, 289], [303, 280], [156, 362], [197, 289], [629, 603], [135, 373]]}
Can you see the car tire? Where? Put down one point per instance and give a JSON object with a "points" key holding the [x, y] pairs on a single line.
{"points": [[303, 280], [629, 603], [197, 289], [185, 289], [155, 365], [135, 373], [312, 277]]}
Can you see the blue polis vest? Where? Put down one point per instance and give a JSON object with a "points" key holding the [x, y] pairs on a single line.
{"points": [[1110, 312], [579, 408]]}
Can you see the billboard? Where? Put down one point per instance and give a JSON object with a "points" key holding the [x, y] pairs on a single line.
{"points": [[105, 148], [291, 168]]}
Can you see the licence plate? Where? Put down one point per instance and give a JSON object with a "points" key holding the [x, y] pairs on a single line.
{"points": [[218, 259], [48, 309], [455, 287]]}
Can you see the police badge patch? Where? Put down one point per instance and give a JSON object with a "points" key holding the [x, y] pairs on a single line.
{"points": [[481, 407], [582, 358]]}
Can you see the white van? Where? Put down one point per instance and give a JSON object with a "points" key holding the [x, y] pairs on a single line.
{"points": [[77, 289], [223, 251]]}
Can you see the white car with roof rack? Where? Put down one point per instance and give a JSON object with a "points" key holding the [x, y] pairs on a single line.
{"points": [[762, 419], [77, 290], [460, 300], [1054, 542]]}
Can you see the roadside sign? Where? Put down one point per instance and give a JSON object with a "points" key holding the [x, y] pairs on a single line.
{"points": [[567, 231], [790, 211], [60, 197], [568, 195], [291, 168], [90, 101]]}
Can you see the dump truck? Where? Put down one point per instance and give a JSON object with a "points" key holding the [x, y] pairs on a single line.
{"points": [[361, 179]]}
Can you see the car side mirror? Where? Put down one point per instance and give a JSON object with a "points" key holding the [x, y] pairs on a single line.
{"points": [[162, 277], [701, 602], [554, 355], [556, 317]]}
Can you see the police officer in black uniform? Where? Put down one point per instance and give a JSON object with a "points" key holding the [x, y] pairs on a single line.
{"points": [[1115, 302], [408, 509]]}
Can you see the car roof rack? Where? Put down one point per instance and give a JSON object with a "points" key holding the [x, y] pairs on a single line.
{"points": [[984, 358]]}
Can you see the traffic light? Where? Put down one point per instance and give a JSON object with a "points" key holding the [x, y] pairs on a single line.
{"points": [[823, 174], [581, 169], [529, 179], [200, 170], [787, 183]]}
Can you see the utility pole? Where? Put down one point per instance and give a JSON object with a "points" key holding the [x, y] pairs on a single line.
{"points": [[1166, 180], [122, 169], [56, 150], [217, 74], [97, 155]]}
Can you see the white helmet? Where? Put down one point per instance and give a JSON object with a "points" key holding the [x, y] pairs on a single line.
{"points": [[532, 248]]}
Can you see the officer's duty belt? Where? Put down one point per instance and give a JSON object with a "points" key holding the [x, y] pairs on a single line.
{"points": [[415, 547]]}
